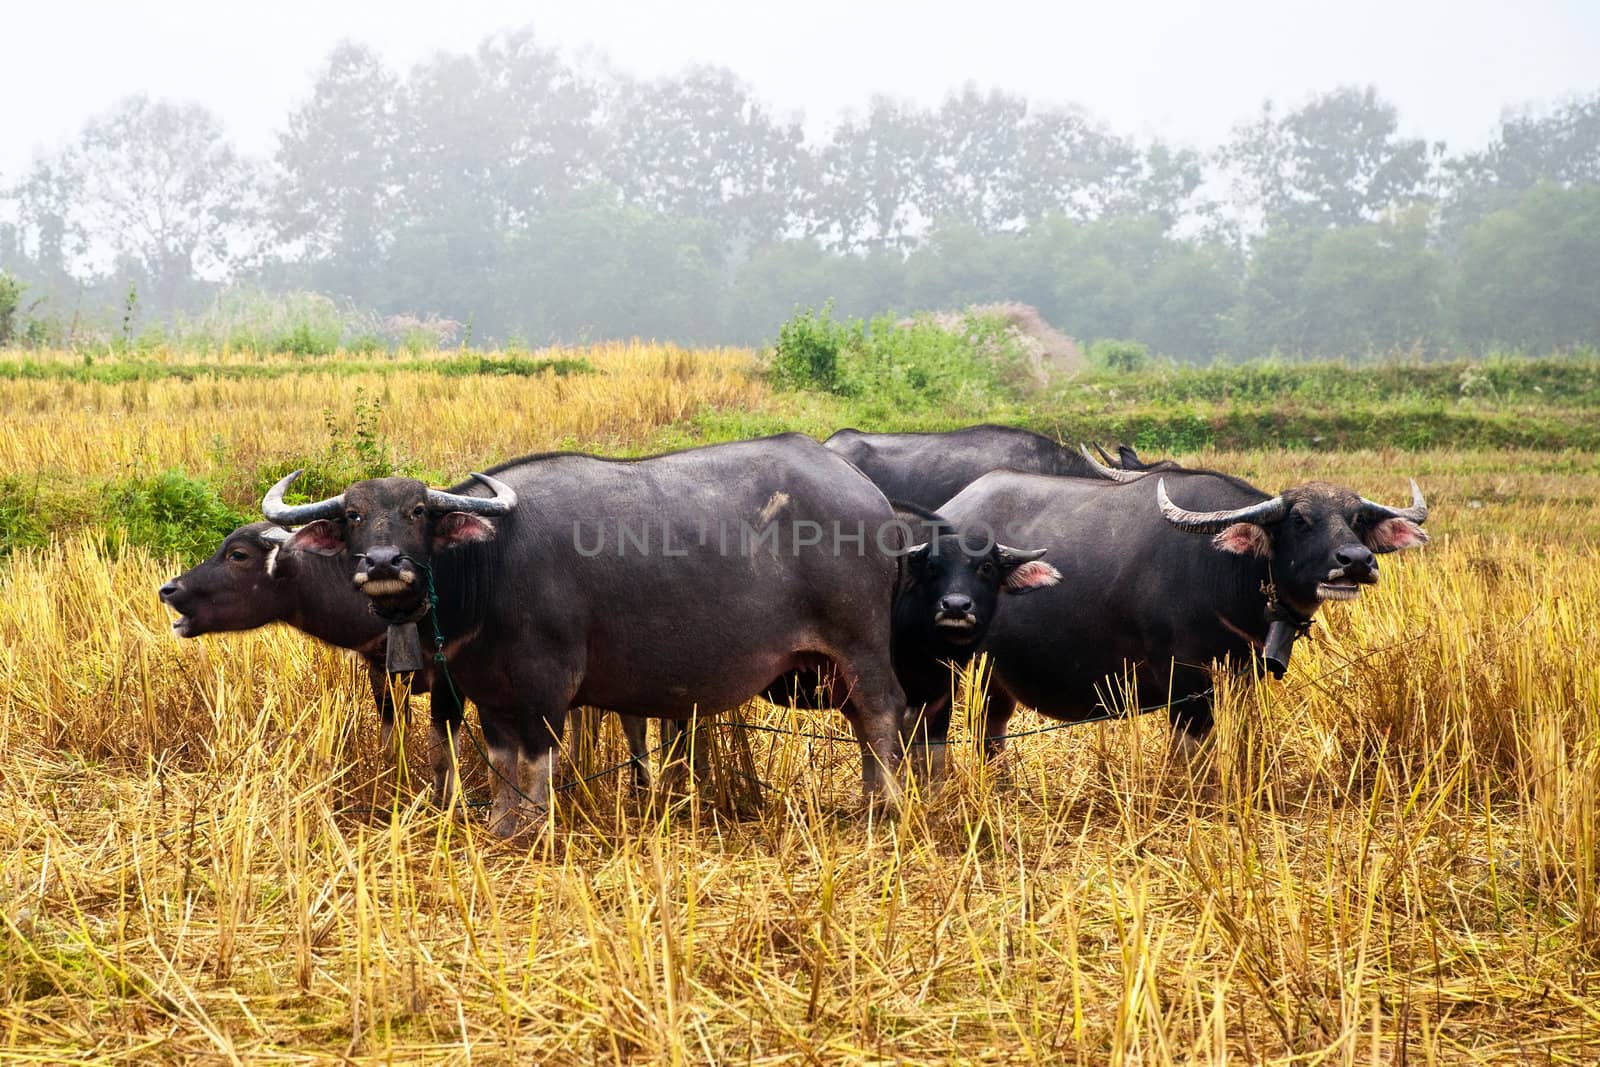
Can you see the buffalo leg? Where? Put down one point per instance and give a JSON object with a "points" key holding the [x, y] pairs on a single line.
{"points": [[521, 750], [446, 714], [684, 753], [1001, 706], [926, 738], [1190, 712], [634, 729], [383, 694], [876, 707]]}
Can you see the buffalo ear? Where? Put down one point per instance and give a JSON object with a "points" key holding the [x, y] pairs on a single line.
{"points": [[459, 528], [324, 537], [1244, 539], [916, 559], [1391, 535], [1024, 570]]}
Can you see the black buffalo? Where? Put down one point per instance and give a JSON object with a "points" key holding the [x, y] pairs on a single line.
{"points": [[663, 586], [1144, 597], [949, 590], [926, 469], [250, 582]]}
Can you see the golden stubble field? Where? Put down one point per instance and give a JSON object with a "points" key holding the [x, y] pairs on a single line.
{"points": [[1389, 857]]}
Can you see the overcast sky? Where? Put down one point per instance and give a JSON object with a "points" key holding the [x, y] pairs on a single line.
{"points": [[1179, 69]]}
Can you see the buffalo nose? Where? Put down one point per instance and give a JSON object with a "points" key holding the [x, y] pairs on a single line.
{"points": [[382, 562], [1355, 557], [956, 604], [168, 590]]}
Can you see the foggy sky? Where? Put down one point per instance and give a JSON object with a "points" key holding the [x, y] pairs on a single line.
{"points": [[1177, 69]]}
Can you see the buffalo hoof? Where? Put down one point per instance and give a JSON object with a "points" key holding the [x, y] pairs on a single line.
{"points": [[677, 779], [1000, 768], [1187, 747], [524, 822], [457, 812], [927, 766]]}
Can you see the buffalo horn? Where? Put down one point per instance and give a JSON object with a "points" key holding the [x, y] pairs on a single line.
{"points": [[504, 499], [1109, 473], [1261, 514], [1417, 512], [273, 507]]}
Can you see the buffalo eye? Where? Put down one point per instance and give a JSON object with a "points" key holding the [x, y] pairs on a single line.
{"points": [[1302, 521], [986, 569], [238, 556], [352, 516], [419, 511]]}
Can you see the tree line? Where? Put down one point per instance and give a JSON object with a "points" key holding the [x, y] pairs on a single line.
{"points": [[540, 198]]}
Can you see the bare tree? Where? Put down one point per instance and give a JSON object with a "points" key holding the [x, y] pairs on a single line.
{"points": [[161, 185]]}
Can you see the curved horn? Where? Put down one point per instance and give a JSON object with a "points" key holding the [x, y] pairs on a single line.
{"points": [[1109, 473], [273, 507], [504, 499], [1211, 521], [1103, 453], [1417, 512]]}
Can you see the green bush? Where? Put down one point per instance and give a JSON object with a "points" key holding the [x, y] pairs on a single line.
{"points": [[171, 514], [366, 344], [891, 367], [305, 339], [22, 522], [251, 320], [44, 331], [1124, 357], [920, 365], [809, 348], [10, 300]]}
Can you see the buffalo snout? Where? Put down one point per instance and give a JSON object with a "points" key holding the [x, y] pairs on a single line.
{"points": [[1357, 562], [384, 570], [955, 604], [382, 561]]}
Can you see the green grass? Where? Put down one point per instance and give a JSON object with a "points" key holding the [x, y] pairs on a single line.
{"points": [[1556, 380]]}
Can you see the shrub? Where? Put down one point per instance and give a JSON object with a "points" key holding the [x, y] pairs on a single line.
{"points": [[305, 339], [419, 335], [22, 523], [1123, 357], [250, 320], [808, 351], [931, 363], [10, 300], [365, 344], [922, 365], [171, 514]]}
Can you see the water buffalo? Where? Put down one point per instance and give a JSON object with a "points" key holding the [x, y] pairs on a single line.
{"points": [[250, 582], [949, 590], [926, 469], [1143, 597], [662, 586]]}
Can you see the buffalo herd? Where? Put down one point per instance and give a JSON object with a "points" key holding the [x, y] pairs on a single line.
{"points": [[855, 573]]}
